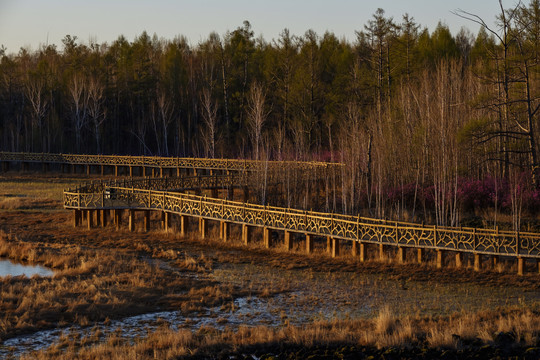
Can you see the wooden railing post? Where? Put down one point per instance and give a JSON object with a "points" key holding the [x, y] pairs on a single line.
{"points": [[164, 199]]}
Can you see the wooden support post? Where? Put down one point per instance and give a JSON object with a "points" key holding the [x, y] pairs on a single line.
{"points": [[153, 172], [329, 244], [88, 170], [146, 220], [178, 172], [246, 234], [335, 247], [183, 225], [161, 171], [538, 265], [131, 224], [131, 171], [98, 217], [309, 243], [354, 248], [401, 254], [90, 218], [104, 218], [76, 217], [144, 171], [477, 262], [420, 255], [102, 169], [381, 252], [166, 221], [203, 228], [115, 170], [520, 266], [495, 261], [288, 241], [118, 218], [459, 259], [440, 258], [363, 252], [224, 231], [266, 237]]}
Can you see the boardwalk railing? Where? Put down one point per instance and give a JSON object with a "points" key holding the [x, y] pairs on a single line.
{"points": [[160, 162], [356, 229]]}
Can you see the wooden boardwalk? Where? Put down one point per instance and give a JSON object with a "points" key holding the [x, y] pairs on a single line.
{"points": [[94, 202], [169, 196], [153, 164]]}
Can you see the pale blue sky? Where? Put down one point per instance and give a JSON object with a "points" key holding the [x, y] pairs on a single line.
{"points": [[30, 23]]}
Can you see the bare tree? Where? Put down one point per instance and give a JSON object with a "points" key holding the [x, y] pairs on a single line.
{"points": [[511, 75], [209, 114], [166, 110], [78, 93], [257, 115], [96, 111], [35, 93]]}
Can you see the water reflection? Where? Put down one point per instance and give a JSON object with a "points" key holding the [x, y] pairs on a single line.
{"points": [[9, 268]]}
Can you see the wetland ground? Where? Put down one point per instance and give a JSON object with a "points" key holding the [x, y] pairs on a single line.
{"points": [[158, 295]]}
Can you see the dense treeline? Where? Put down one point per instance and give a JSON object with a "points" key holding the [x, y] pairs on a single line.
{"points": [[420, 118]]}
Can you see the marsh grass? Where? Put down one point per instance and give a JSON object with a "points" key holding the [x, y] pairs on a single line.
{"points": [[91, 285], [465, 332], [104, 274], [36, 186]]}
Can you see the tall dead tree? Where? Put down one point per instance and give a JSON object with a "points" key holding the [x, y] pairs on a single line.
{"points": [[209, 115], [257, 115], [78, 96], [96, 111]]}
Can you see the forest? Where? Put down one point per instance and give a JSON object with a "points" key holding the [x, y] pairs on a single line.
{"points": [[430, 125]]}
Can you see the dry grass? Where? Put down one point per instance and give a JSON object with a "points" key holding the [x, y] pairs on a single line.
{"points": [[37, 186], [91, 285], [463, 331], [105, 274]]}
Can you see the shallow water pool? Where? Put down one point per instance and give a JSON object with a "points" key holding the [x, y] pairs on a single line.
{"points": [[10, 268]]}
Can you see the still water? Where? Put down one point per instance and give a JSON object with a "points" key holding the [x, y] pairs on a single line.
{"points": [[8, 268]]}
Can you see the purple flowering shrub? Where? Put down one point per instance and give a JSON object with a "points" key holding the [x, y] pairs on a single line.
{"points": [[472, 195]]}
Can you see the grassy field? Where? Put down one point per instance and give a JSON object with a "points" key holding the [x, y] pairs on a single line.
{"points": [[105, 274]]}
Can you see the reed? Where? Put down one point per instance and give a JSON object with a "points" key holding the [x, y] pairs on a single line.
{"points": [[91, 285], [515, 330]]}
